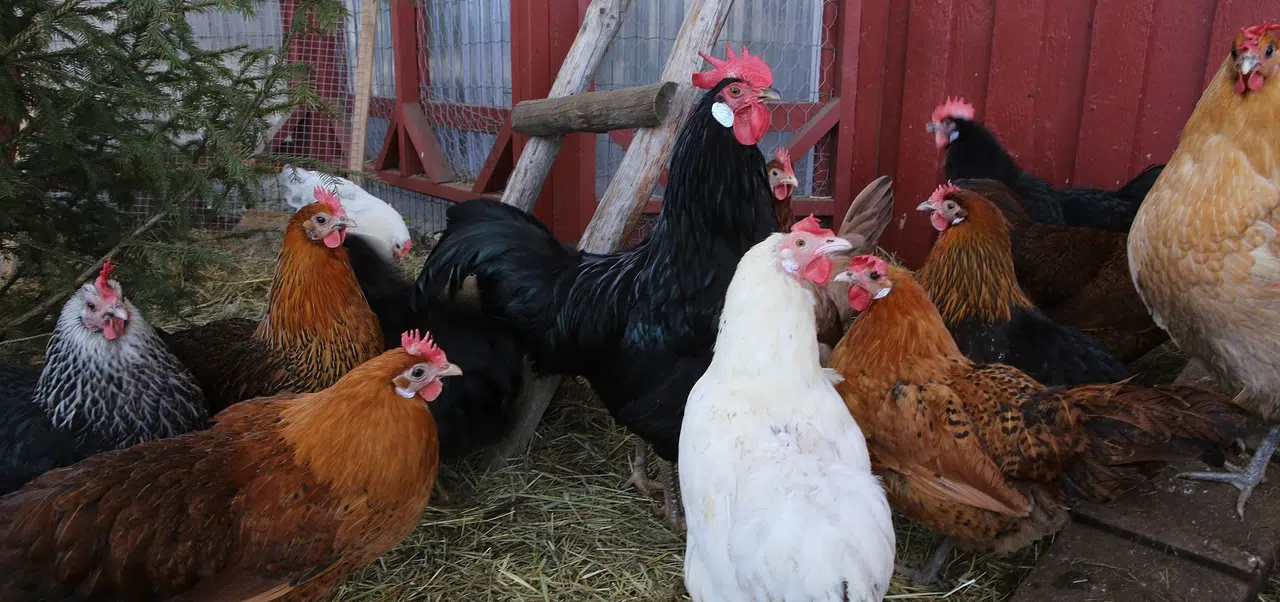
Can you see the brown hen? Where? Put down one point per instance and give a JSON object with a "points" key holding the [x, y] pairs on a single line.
{"points": [[317, 326], [282, 499], [985, 454], [1077, 276]]}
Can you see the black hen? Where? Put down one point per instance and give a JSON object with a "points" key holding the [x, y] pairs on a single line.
{"points": [[108, 382], [474, 410], [974, 152], [639, 324]]}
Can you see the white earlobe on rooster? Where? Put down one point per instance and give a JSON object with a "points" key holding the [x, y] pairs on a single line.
{"points": [[777, 485], [379, 223]]}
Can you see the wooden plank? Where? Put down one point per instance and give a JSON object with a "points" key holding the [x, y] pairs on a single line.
{"points": [[364, 88], [844, 177], [1110, 112], [498, 165], [1179, 36], [450, 191], [815, 130], [651, 148], [1064, 53], [600, 24], [1014, 80], [634, 107]]}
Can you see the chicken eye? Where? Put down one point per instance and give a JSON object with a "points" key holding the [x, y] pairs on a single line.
{"points": [[874, 276], [1271, 49], [950, 206], [801, 243], [418, 372], [91, 305], [735, 90], [322, 220]]}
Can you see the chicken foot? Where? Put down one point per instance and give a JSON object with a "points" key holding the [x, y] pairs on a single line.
{"points": [[928, 574], [1247, 478], [671, 505], [640, 471]]}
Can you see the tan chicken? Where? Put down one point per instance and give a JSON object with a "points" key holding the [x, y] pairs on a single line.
{"points": [[1203, 251]]}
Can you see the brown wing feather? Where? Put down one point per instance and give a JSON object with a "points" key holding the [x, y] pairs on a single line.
{"points": [[166, 516], [230, 364], [868, 216]]}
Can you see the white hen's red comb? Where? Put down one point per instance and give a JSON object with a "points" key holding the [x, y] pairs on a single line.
{"points": [[810, 224], [415, 343], [105, 291], [953, 108], [751, 69], [329, 200]]}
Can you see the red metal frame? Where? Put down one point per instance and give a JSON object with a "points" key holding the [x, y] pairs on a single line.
{"points": [[541, 34]]}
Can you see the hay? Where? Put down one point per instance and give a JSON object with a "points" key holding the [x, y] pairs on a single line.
{"points": [[554, 524]]}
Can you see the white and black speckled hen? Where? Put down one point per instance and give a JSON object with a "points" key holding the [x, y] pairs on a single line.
{"points": [[108, 382]]}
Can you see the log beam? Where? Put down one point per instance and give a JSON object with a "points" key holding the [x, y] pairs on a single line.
{"points": [[650, 150], [599, 26], [625, 109]]}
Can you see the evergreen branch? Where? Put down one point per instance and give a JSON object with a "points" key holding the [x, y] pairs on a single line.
{"points": [[53, 16]]}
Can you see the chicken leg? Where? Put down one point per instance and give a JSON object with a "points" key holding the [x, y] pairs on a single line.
{"points": [[671, 505], [1249, 477], [640, 471], [928, 574]]}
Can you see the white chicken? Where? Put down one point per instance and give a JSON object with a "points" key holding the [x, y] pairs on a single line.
{"points": [[777, 485], [375, 219]]}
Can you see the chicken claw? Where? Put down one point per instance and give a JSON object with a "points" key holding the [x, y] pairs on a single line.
{"points": [[928, 574], [1243, 479], [671, 506], [639, 472]]}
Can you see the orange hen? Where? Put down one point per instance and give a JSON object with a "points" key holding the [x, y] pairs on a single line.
{"points": [[985, 454], [282, 499], [317, 326], [1203, 250]]}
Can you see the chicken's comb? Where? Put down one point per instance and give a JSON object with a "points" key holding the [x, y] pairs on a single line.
{"points": [[810, 224], [868, 263], [415, 343], [752, 69], [953, 108], [1253, 35], [329, 200], [784, 157], [942, 191], [104, 288]]}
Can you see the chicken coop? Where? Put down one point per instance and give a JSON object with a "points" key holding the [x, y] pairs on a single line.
{"points": [[1081, 93]]}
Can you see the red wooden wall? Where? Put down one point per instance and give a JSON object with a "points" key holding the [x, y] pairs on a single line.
{"points": [[1081, 92]]}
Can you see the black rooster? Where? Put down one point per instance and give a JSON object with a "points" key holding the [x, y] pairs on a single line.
{"points": [[974, 152], [474, 410], [639, 324], [108, 382]]}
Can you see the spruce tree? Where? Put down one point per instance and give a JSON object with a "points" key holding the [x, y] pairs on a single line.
{"points": [[105, 104]]}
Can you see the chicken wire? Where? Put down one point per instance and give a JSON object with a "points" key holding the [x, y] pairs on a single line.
{"points": [[466, 45], [790, 36]]}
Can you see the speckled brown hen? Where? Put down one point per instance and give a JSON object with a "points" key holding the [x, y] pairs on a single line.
{"points": [[984, 454], [281, 500], [317, 326], [1204, 252]]}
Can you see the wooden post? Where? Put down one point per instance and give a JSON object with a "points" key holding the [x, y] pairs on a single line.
{"points": [[364, 87], [650, 150], [599, 26], [629, 108]]}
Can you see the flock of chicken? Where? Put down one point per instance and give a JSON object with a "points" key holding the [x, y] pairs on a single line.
{"points": [[981, 396]]}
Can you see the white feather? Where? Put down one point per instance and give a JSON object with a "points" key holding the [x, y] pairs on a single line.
{"points": [[777, 486], [375, 219]]}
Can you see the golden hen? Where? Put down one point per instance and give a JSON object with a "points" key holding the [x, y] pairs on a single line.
{"points": [[282, 499], [1203, 251]]}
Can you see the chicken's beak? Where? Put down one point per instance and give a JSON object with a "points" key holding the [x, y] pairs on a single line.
{"points": [[120, 313], [844, 277], [834, 245], [789, 180], [925, 206], [768, 95], [348, 222], [1248, 63], [450, 370]]}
